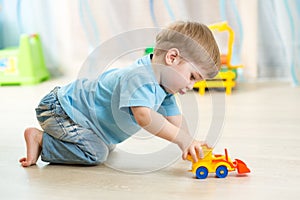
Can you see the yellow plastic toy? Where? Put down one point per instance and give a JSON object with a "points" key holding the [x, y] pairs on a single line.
{"points": [[226, 77], [215, 163]]}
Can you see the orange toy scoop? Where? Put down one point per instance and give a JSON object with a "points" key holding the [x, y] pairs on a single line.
{"points": [[241, 167]]}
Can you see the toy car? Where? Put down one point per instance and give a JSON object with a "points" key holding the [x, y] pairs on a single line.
{"points": [[215, 163]]}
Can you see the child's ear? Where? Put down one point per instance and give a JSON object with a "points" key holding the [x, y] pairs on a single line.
{"points": [[172, 57]]}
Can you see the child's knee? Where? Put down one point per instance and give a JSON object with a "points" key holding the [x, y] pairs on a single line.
{"points": [[99, 157], [111, 147]]}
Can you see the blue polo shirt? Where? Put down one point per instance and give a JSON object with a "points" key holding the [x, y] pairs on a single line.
{"points": [[103, 104]]}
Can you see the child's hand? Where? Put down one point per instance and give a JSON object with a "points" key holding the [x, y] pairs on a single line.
{"points": [[195, 150]]}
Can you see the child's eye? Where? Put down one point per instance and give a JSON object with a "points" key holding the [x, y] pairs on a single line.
{"points": [[193, 77], [196, 77]]}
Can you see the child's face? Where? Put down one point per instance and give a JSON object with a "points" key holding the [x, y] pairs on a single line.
{"points": [[179, 78]]}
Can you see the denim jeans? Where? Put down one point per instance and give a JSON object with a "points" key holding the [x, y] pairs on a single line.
{"points": [[64, 141]]}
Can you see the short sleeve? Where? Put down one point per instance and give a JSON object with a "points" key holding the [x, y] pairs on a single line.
{"points": [[169, 106], [137, 90]]}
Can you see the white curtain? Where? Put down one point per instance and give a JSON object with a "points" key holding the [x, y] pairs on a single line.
{"points": [[71, 29], [279, 39]]}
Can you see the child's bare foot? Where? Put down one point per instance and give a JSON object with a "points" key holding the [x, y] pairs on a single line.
{"points": [[33, 138]]}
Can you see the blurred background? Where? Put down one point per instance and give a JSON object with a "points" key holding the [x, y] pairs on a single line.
{"points": [[267, 33]]}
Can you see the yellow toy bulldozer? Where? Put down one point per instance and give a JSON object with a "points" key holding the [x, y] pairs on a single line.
{"points": [[216, 163]]}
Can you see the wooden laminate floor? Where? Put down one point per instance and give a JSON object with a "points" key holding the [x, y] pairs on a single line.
{"points": [[261, 127]]}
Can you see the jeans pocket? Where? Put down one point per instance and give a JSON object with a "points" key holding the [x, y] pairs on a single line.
{"points": [[59, 111], [43, 115]]}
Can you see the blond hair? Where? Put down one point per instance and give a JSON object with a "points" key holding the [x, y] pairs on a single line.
{"points": [[195, 43]]}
